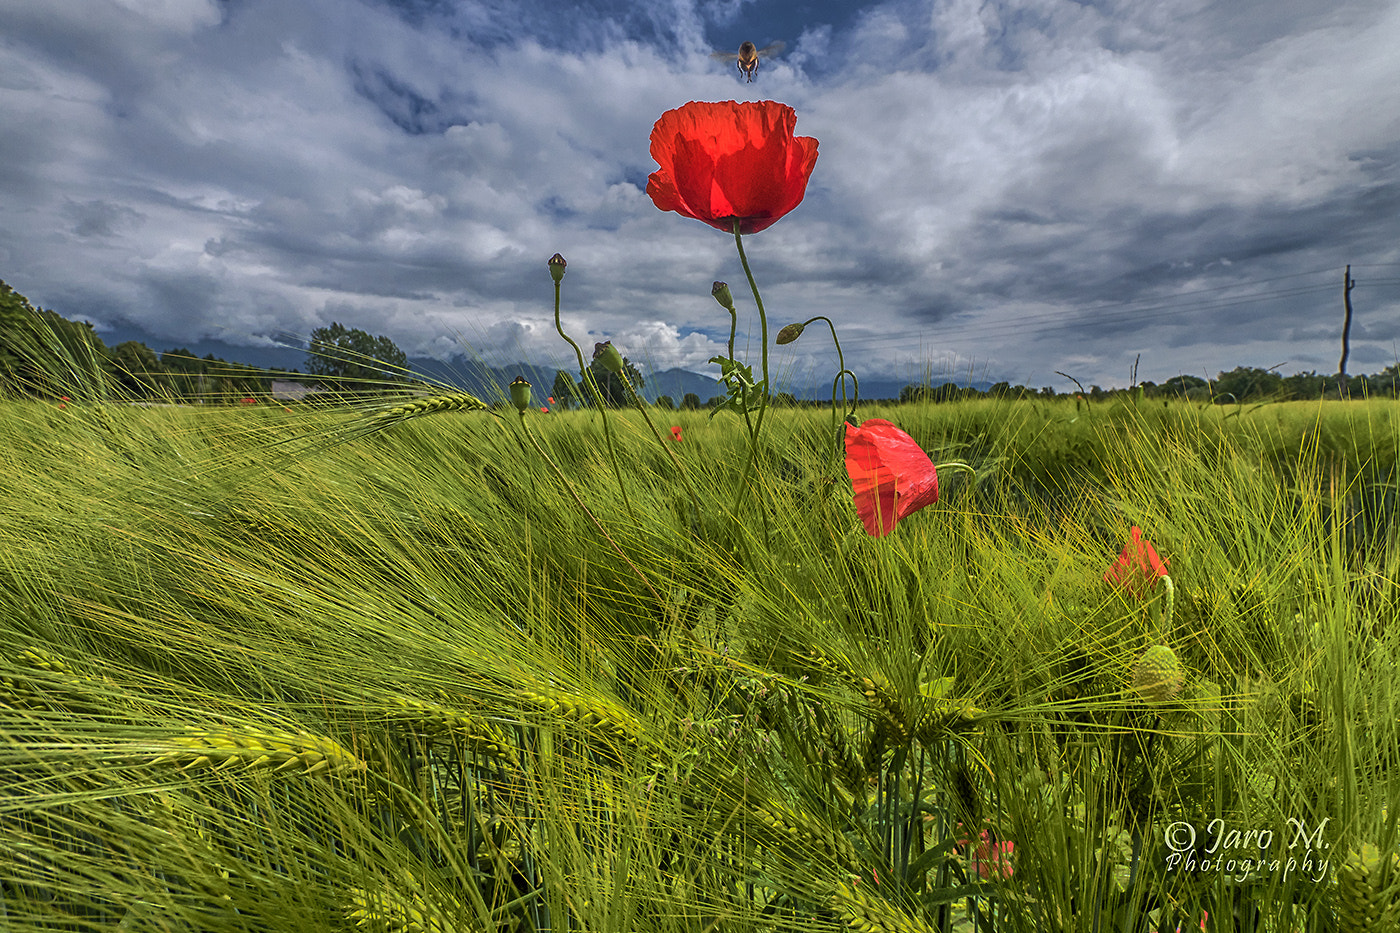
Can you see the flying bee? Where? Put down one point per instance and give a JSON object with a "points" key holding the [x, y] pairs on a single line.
{"points": [[748, 56]]}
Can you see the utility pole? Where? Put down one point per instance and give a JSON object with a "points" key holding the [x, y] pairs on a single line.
{"points": [[1348, 283]]}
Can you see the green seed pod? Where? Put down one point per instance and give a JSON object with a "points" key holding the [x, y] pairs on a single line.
{"points": [[520, 393], [557, 266], [607, 354]]}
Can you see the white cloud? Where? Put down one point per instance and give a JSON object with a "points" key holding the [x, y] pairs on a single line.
{"points": [[267, 165]]}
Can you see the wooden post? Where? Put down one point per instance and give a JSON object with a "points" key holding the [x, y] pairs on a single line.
{"points": [[1348, 283]]}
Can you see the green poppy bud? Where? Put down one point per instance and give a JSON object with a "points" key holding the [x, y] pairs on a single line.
{"points": [[722, 295], [520, 393], [607, 354], [556, 266], [1157, 676], [790, 333]]}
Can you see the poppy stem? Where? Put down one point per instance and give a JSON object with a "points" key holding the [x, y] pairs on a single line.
{"points": [[597, 401], [733, 329], [1170, 605], [956, 465], [763, 405]]}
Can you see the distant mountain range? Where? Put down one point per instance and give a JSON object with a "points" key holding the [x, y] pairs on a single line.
{"points": [[491, 381]]}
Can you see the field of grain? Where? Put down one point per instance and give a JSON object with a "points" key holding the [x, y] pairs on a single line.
{"points": [[454, 669]]}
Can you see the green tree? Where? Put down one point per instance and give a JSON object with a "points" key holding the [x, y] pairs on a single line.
{"points": [[610, 385], [42, 352], [690, 402], [665, 403], [1180, 385], [1247, 384], [354, 359], [136, 369]]}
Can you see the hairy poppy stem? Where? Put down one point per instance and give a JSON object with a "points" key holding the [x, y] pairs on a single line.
{"points": [[1170, 605], [597, 400], [733, 329], [763, 405], [847, 408]]}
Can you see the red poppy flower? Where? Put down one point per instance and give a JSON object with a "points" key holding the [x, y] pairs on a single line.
{"points": [[249, 401], [675, 432], [543, 409], [727, 160], [1138, 567], [891, 476]]}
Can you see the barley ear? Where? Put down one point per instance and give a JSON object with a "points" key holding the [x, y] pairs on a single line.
{"points": [[396, 912], [873, 914], [278, 751], [1367, 896]]}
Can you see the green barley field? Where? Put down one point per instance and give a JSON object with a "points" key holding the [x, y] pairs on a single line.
{"points": [[432, 668]]}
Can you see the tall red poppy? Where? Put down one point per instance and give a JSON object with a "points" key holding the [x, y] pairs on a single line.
{"points": [[675, 432], [891, 476], [726, 160], [1138, 567]]}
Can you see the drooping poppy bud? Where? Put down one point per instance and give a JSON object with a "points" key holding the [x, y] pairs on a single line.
{"points": [[557, 266], [790, 333], [606, 354], [520, 393], [723, 296]]}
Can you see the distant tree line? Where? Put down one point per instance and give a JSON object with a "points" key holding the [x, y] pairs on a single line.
{"points": [[1239, 385], [45, 354]]}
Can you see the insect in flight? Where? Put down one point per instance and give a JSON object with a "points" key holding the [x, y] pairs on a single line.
{"points": [[748, 56]]}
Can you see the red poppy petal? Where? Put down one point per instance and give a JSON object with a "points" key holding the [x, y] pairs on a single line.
{"points": [[1138, 566], [891, 476], [724, 161]]}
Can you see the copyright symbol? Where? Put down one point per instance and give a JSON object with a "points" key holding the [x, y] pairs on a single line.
{"points": [[1180, 836]]}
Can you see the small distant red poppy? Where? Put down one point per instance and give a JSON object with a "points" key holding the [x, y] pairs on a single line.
{"points": [[726, 161], [249, 401], [1138, 567], [675, 432], [993, 860], [551, 400], [64, 398], [543, 409], [891, 476]]}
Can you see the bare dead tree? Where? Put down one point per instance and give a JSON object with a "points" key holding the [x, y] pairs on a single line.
{"points": [[1348, 283]]}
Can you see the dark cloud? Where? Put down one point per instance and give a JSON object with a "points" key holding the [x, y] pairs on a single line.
{"points": [[1009, 186], [100, 218]]}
